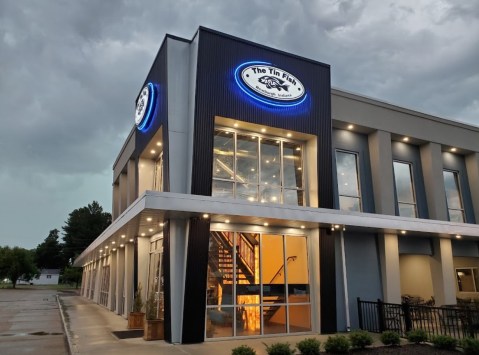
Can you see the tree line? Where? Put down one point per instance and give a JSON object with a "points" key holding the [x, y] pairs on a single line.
{"points": [[81, 228]]}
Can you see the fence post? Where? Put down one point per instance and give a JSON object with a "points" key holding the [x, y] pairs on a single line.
{"points": [[470, 328], [360, 313], [381, 320], [406, 308]]}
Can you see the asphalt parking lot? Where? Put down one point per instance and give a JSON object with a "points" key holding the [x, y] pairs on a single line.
{"points": [[31, 322]]}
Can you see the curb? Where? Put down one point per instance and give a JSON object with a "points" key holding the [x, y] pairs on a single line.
{"points": [[65, 329]]}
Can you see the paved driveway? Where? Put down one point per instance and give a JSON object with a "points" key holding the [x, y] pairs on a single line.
{"points": [[30, 322]]}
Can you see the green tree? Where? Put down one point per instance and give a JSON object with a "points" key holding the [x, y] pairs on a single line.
{"points": [[72, 275], [82, 227], [49, 254], [15, 263]]}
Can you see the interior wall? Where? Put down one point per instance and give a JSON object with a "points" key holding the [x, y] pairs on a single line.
{"points": [[416, 279]]}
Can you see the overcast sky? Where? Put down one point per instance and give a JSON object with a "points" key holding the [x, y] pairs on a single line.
{"points": [[70, 72]]}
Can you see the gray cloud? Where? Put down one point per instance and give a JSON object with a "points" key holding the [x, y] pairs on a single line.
{"points": [[70, 71]]}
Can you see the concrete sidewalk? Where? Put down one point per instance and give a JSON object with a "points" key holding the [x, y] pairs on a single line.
{"points": [[90, 329]]}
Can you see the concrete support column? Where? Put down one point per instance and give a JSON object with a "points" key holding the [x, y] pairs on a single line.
{"points": [[382, 172], [112, 286], [178, 241], [96, 294], [123, 188], [143, 265], [116, 202], [129, 270], [132, 173], [90, 279], [120, 279], [390, 275], [431, 161], [442, 272], [472, 166]]}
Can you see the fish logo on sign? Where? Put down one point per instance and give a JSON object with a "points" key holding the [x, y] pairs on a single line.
{"points": [[269, 84]]}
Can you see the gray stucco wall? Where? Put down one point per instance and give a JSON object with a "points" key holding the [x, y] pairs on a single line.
{"points": [[363, 273]]}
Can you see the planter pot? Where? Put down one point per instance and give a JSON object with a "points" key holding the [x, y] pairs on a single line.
{"points": [[135, 320], [154, 329]]}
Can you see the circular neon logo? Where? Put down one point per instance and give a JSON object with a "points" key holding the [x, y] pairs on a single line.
{"points": [[269, 84], [145, 107]]}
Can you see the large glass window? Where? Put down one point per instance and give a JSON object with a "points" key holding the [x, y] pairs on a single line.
{"points": [[453, 196], [270, 291], [404, 189], [156, 276], [467, 279], [255, 167], [348, 181]]}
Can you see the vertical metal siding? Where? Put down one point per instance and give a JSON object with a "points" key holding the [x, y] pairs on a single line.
{"points": [[327, 269], [195, 283]]}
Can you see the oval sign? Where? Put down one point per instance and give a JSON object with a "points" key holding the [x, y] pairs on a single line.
{"points": [[145, 106], [273, 85]]}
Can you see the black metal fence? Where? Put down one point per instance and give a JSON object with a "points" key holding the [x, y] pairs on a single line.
{"points": [[457, 321]]}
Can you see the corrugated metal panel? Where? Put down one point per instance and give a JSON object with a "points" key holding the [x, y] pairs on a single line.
{"points": [[195, 283], [327, 277]]}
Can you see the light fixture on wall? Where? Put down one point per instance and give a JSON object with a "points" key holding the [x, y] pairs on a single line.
{"points": [[405, 139], [350, 126], [458, 236], [403, 232]]}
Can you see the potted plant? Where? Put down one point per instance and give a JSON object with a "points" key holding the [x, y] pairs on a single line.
{"points": [[136, 316], [153, 327]]}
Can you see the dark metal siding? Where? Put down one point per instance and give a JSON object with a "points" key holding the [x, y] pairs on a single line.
{"points": [[195, 283], [328, 281], [218, 95], [158, 75]]}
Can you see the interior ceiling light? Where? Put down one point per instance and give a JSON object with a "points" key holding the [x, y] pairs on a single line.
{"points": [[122, 245], [131, 240], [350, 126], [205, 215], [122, 236], [113, 242], [159, 144], [114, 249], [149, 219], [106, 247], [152, 151], [162, 224]]}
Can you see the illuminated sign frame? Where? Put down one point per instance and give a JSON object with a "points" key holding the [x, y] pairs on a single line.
{"points": [[278, 79], [145, 107]]}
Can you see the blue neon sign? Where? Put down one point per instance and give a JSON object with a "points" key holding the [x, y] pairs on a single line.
{"points": [[145, 107]]}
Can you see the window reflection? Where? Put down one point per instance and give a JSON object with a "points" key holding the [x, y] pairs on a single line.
{"points": [[453, 196], [348, 183], [404, 189]]}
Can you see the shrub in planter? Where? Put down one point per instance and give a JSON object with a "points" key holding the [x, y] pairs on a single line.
{"points": [[279, 349], [417, 336], [470, 346], [337, 344], [243, 350], [444, 342], [136, 316], [360, 339], [309, 346], [390, 338]]}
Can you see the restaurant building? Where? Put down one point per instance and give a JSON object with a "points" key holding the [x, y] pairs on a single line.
{"points": [[253, 199]]}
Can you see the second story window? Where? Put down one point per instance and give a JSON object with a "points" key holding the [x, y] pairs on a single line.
{"points": [[257, 168], [453, 196], [348, 181], [406, 199]]}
